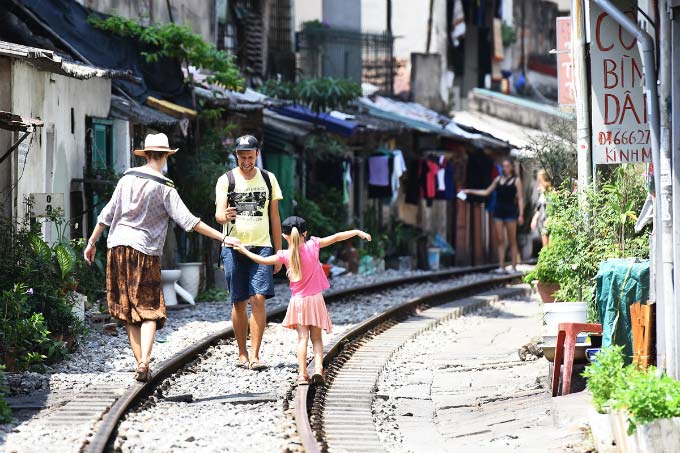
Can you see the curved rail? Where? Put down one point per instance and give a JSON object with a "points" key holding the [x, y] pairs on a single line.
{"points": [[302, 421], [101, 438]]}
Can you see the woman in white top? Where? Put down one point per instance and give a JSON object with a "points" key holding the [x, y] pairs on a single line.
{"points": [[137, 216]]}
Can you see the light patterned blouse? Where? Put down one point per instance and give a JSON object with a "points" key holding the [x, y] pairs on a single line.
{"points": [[138, 213]]}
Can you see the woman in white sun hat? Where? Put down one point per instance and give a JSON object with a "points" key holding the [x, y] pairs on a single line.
{"points": [[137, 216]]}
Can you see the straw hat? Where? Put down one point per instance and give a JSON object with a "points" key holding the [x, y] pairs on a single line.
{"points": [[156, 142]]}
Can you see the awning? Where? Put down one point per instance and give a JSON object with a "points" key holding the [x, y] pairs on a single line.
{"points": [[13, 122], [331, 123], [415, 116], [282, 133], [137, 113], [48, 61], [518, 136]]}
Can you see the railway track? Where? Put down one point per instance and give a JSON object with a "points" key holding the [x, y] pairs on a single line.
{"points": [[135, 395], [338, 417]]}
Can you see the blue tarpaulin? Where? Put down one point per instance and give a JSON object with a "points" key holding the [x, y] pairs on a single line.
{"points": [[68, 20], [345, 128]]}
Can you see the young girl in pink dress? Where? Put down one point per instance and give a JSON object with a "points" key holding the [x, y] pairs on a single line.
{"points": [[307, 310]]}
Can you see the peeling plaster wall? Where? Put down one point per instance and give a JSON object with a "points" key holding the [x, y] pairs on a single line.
{"points": [[51, 97]]}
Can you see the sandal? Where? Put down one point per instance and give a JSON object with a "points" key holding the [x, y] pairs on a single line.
{"points": [[143, 374], [318, 377], [257, 365], [242, 363], [302, 380]]}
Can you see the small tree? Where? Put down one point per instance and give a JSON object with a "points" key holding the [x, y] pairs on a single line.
{"points": [[555, 151], [177, 41]]}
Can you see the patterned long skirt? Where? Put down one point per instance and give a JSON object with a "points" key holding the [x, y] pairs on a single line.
{"points": [[133, 286]]}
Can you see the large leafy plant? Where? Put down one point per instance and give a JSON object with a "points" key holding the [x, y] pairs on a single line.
{"points": [[179, 42], [604, 376], [319, 94]]}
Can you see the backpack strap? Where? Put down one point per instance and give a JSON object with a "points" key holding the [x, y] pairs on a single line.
{"points": [[268, 182], [265, 175], [231, 180], [158, 179]]}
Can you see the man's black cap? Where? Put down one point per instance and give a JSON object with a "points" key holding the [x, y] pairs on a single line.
{"points": [[294, 221], [247, 143]]}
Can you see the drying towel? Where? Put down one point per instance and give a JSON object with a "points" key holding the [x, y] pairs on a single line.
{"points": [[399, 168], [379, 171]]}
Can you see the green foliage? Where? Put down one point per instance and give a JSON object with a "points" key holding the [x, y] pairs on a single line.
{"points": [[555, 152], [177, 41], [322, 146], [324, 215], [508, 34], [200, 169], [646, 397], [36, 281], [605, 375], [212, 295], [580, 239], [551, 266], [5, 411], [319, 94]]}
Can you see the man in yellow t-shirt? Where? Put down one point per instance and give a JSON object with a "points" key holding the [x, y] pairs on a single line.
{"points": [[247, 204]]}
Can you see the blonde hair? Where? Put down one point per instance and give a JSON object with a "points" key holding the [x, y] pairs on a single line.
{"points": [[295, 271], [544, 179]]}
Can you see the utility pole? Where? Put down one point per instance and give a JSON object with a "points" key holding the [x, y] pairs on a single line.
{"points": [[583, 132], [389, 18], [429, 27], [674, 19]]}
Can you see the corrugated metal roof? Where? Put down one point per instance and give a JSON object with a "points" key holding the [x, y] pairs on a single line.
{"points": [[137, 113], [47, 60]]}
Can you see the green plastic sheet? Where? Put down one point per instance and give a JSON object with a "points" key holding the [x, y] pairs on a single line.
{"points": [[283, 166], [620, 283]]}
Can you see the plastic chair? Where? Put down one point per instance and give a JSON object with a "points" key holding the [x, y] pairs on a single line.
{"points": [[566, 344]]}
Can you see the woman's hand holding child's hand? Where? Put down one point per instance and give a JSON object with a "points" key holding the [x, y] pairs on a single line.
{"points": [[231, 242]]}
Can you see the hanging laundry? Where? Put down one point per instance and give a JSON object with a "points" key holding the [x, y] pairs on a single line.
{"points": [[449, 192], [458, 26], [378, 170], [413, 182], [428, 179], [346, 180], [441, 184], [399, 168]]}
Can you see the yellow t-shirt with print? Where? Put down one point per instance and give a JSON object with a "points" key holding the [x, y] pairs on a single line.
{"points": [[251, 198]]}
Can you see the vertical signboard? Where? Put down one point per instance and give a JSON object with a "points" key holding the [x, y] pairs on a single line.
{"points": [[566, 94], [619, 110]]}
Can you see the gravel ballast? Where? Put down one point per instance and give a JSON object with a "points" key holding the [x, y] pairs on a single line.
{"points": [[207, 423]]}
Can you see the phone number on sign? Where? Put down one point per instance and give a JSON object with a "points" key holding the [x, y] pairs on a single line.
{"points": [[636, 137]]}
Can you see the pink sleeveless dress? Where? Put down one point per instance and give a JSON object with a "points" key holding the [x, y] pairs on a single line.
{"points": [[307, 306]]}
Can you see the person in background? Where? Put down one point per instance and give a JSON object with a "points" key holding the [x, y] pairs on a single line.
{"points": [[247, 204], [539, 221], [508, 211], [137, 216], [307, 310]]}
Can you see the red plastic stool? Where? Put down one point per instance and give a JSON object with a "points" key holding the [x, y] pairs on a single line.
{"points": [[566, 343]]}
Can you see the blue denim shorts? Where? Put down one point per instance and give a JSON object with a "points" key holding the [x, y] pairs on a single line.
{"points": [[245, 278]]}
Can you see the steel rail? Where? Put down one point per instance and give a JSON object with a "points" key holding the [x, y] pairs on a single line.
{"points": [[105, 431], [302, 416]]}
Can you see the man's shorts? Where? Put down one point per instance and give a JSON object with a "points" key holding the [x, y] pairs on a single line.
{"points": [[246, 278]]}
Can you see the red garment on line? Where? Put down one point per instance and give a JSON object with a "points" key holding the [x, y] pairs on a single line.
{"points": [[428, 171]]}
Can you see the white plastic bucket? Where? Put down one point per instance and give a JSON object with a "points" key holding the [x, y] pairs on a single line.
{"points": [[433, 258], [556, 313]]}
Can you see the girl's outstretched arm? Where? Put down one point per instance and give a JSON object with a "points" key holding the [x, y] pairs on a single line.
{"points": [[343, 236], [265, 260]]}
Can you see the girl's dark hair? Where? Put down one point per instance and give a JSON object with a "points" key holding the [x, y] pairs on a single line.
{"points": [[511, 161]]}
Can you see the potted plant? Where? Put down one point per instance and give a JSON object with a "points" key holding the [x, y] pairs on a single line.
{"points": [[546, 275]]}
